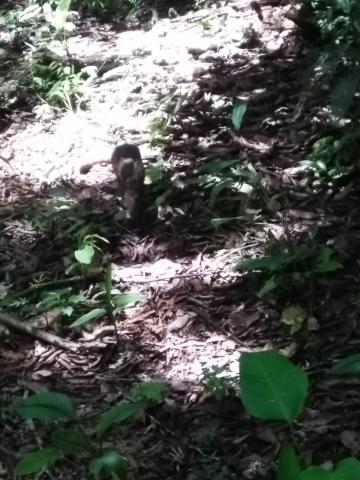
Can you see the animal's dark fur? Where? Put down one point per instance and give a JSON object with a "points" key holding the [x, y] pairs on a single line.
{"points": [[127, 165], [129, 170]]}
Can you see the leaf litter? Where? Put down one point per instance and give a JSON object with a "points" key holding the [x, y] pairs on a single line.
{"points": [[173, 98]]}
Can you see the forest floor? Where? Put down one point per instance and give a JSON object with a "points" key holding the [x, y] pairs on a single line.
{"points": [[170, 90]]}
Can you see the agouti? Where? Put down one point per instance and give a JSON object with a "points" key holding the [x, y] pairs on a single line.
{"points": [[127, 165]]}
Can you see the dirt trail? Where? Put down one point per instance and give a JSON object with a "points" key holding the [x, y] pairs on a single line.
{"points": [[187, 70], [152, 69]]}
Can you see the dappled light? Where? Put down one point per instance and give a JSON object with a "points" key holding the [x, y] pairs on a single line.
{"points": [[179, 234]]}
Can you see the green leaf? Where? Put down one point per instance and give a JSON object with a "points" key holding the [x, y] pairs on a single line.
{"points": [[47, 405], [118, 414], [67, 311], [271, 284], [75, 299], [344, 5], [61, 14], [349, 364], [85, 254], [151, 391], [126, 299], [110, 461], [315, 473], [71, 440], [289, 468], [30, 13], [347, 469], [326, 261], [328, 267], [37, 461], [272, 387], [88, 317], [239, 110]]}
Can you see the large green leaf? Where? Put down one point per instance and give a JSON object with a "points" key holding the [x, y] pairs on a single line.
{"points": [[88, 317], [326, 262], [314, 473], [71, 440], [85, 254], [347, 469], [349, 364], [289, 468], [47, 405], [272, 387], [118, 414], [37, 461], [126, 299], [110, 461]]}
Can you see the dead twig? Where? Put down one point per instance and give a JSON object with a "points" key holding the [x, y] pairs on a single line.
{"points": [[19, 325]]}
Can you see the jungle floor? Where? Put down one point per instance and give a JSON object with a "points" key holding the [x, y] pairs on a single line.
{"points": [[170, 89]]}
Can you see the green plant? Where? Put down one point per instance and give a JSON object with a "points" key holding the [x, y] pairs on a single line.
{"points": [[43, 296], [87, 246], [20, 21], [273, 388], [113, 303], [218, 382], [238, 112], [337, 57], [168, 108], [337, 19], [332, 158], [62, 298], [70, 439], [40, 21], [287, 267], [60, 213], [347, 365], [59, 84], [231, 185]]}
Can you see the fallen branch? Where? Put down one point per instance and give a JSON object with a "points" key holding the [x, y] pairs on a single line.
{"points": [[47, 337]]}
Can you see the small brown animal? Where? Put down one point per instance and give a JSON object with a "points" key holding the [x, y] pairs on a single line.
{"points": [[127, 165]]}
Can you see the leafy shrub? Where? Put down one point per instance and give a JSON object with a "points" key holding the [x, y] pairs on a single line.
{"points": [[69, 439], [339, 22], [331, 158], [58, 83], [273, 388], [284, 268]]}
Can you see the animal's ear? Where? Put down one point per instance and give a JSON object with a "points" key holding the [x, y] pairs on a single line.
{"points": [[84, 169]]}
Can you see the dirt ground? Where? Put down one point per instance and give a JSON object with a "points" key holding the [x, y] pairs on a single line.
{"points": [[196, 312]]}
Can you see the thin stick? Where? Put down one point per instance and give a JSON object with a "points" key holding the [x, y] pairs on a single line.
{"points": [[47, 337]]}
